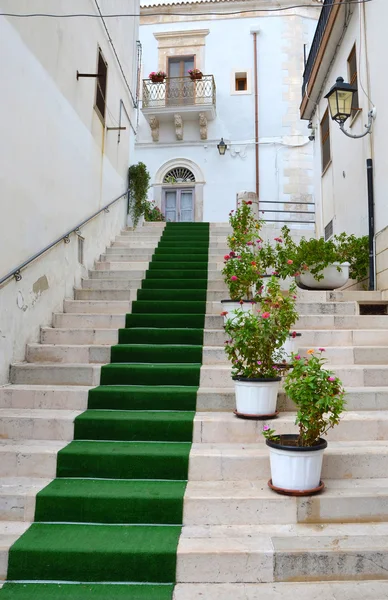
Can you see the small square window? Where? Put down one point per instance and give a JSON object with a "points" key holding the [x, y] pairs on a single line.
{"points": [[241, 82]]}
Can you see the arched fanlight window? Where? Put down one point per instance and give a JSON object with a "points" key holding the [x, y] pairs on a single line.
{"points": [[179, 175]]}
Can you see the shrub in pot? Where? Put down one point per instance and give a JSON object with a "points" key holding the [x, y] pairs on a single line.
{"points": [[242, 267], [153, 213], [296, 459], [157, 76], [254, 349], [195, 74]]}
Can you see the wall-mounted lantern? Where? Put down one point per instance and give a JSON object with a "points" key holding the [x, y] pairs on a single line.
{"points": [[222, 147]]}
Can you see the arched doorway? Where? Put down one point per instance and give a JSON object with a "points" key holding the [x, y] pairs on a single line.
{"points": [[178, 195], [178, 190]]}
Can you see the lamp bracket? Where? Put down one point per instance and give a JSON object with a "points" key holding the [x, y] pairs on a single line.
{"points": [[371, 117]]}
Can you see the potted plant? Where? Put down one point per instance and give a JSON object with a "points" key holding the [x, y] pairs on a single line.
{"points": [[157, 76], [195, 74], [153, 212], [241, 274], [296, 459], [320, 265], [241, 266], [254, 349], [138, 186]]}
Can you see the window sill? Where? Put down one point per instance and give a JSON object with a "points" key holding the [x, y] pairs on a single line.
{"points": [[240, 92], [325, 170]]}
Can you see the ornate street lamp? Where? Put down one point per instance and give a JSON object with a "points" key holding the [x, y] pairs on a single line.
{"points": [[222, 147], [340, 99]]}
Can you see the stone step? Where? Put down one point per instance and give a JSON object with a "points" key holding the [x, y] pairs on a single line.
{"points": [[10, 531], [324, 590], [89, 321], [29, 458], [232, 462], [208, 399], [104, 266], [267, 553], [106, 294], [118, 258], [37, 424], [45, 397], [66, 353], [49, 335], [18, 497], [341, 322], [97, 307], [214, 375], [123, 281], [55, 374], [209, 427], [345, 337], [252, 502], [357, 355], [306, 308], [350, 375], [225, 427]]}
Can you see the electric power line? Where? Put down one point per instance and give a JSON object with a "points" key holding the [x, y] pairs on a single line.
{"points": [[169, 13]]}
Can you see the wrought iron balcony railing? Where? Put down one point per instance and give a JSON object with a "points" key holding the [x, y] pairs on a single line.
{"points": [[179, 91], [319, 33]]}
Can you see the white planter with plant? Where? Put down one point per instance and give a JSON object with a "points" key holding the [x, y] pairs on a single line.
{"points": [[231, 308], [290, 345], [332, 277], [253, 347], [296, 459]]}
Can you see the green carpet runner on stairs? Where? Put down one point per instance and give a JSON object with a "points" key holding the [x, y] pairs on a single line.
{"points": [[108, 526]]}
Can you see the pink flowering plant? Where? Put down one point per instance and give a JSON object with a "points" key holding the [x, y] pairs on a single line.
{"points": [[318, 395], [245, 226], [242, 274], [279, 255], [255, 338], [157, 74]]}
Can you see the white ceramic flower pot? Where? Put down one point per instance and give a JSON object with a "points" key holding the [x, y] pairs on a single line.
{"points": [[332, 278], [256, 397], [231, 307], [294, 468]]}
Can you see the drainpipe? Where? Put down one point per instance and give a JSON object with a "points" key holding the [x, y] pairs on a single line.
{"points": [[256, 116], [371, 223]]}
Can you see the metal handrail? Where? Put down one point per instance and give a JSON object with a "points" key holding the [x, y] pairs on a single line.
{"points": [[66, 238], [316, 43]]}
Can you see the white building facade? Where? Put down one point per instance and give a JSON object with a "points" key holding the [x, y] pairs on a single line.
{"points": [[251, 58], [349, 43], [59, 161]]}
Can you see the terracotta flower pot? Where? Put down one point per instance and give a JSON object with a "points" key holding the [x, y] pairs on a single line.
{"points": [[196, 76], [157, 79]]}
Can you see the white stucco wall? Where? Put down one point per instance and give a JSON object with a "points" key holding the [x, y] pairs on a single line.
{"points": [[229, 47], [58, 164], [341, 193]]}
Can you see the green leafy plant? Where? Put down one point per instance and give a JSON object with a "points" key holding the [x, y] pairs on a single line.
{"points": [[256, 337], [241, 274], [138, 185], [280, 255], [354, 250], [318, 395], [153, 213], [245, 226]]}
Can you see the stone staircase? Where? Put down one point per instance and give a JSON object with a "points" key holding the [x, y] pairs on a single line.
{"points": [[240, 540]]}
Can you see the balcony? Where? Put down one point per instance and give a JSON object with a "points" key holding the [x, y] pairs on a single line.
{"points": [[316, 44], [179, 99], [328, 35]]}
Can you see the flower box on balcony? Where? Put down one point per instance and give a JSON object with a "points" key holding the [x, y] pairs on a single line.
{"points": [[158, 77], [195, 74]]}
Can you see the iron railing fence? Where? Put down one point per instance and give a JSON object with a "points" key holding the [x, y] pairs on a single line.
{"points": [[179, 91], [316, 43], [302, 213]]}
